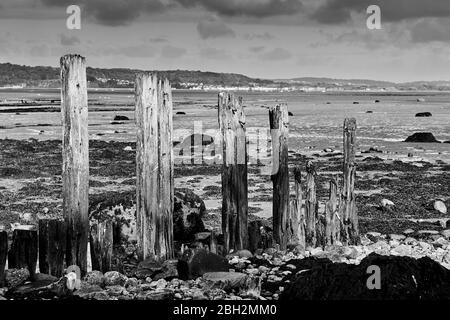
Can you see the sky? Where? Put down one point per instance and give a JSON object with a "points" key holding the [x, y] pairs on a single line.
{"points": [[270, 39]]}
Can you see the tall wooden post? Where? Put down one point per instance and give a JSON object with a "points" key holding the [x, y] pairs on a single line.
{"points": [[52, 246], [279, 122], [234, 172], [332, 224], [311, 205], [3, 254], [75, 149], [101, 240], [297, 217], [154, 167], [350, 224]]}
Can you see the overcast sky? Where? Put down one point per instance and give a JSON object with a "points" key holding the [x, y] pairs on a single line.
{"points": [[259, 38]]}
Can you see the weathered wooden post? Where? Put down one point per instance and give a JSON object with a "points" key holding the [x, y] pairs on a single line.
{"points": [[101, 240], [332, 224], [24, 249], [52, 246], [311, 205], [234, 172], [297, 217], [75, 149], [279, 121], [3, 254], [350, 219], [154, 167]]}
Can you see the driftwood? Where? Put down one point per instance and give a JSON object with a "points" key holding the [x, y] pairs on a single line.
{"points": [[24, 249], [75, 151], [279, 119], [234, 172], [52, 246], [154, 167]]}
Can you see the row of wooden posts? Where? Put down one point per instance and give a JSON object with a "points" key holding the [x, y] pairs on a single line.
{"points": [[67, 240]]}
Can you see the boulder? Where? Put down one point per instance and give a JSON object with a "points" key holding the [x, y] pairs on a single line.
{"points": [[226, 281], [423, 114], [195, 263], [16, 277], [189, 209], [169, 270], [440, 206], [422, 137], [121, 118], [94, 278], [290, 114], [369, 111], [148, 268], [113, 278], [385, 203], [181, 112]]}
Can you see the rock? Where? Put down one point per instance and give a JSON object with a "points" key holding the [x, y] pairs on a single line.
{"points": [[423, 114], [397, 237], [226, 280], [195, 263], [385, 203], [194, 140], [408, 231], [420, 100], [428, 232], [242, 254], [131, 282], [202, 236], [290, 114], [155, 295], [446, 233], [94, 278], [189, 209], [16, 277], [169, 270], [113, 278], [402, 250], [377, 101], [355, 102], [121, 118], [181, 113], [115, 291], [148, 268], [402, 278], [369, 111], [425, 246], [421, 137], [128, 148], [440, 206]]}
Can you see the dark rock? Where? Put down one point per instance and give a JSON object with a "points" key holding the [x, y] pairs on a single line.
{"points": [[148, 268], [421, 137], [155, 295], [113, 278], [423, 114], [290, 114], [226, 280], [16, 277], [377, 101], [94, 278], [195, 140], [189, 209], [447, 141], [181, 113], [169, 270], [369, 111], [121, 118], [355, 102], [195, 263], [401, 278]]}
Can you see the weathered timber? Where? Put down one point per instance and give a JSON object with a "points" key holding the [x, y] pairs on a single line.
{"points": [[332, 222], [279, 121], [234, 172], [154, 167], [75, 151], [311, 206], [52, 246], [297, 217], [350, 232], [3, 254], [101, 240], [24, 249]]}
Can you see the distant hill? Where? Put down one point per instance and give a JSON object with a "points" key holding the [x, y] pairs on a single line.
{"points": [[48, 77]]}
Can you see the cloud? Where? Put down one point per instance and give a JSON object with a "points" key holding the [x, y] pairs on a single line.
{"points": [[214, 28], [276, 54], [340, 11], [68, 40], [433, 30], [250, 8], [259, 36], [256, 49], [158, 40], [215, 54], [172, 52], [112, 12]]}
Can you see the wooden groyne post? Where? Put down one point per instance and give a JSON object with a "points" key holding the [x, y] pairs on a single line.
{"points": [[332, 227], [350, 230], [52, 246], [154, 167], [24, 249], [3, 254], [101, 240], [75, 152], [234, 172], [279, 121], [311, 206], [297, 217]]}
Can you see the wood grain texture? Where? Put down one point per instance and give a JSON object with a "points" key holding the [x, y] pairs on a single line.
{"points": [[297, 217], [279, 128], [3, 254], [332, 222], [52, 246], [75, 149], [154, 167], [24, 250], [101, 240], [350, 232], [311, 206], [234, 172]]}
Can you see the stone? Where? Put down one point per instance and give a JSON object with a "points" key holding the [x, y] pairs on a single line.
{"points": [[115, 291], [386, 203], [425, 246], [402, 250], [428, 232], [423, 114], [131, 282], [169, 270], [121, 118], [408, 231], [148, 268], [113, 278], [440, 206], [226, 280], [421, 137], [397, 237], [94, 278], [242, 254], [87, 290], [189, 209], [195, 263], [16, 277], [446, 233], [155, 295]]}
